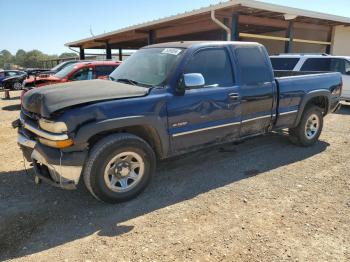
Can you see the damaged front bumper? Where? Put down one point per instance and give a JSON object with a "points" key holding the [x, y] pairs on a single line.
{"points": [[58, 168]]}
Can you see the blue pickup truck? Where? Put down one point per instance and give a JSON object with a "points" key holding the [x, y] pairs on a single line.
{"points": [[166, 99]]}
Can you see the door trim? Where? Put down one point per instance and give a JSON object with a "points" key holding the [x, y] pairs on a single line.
{"points": [[204, 129]]}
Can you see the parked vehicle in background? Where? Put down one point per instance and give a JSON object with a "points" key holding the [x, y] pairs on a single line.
{"points": [[309, 62], [166, 99], [12, 79], [54, 70], [73, 72]]}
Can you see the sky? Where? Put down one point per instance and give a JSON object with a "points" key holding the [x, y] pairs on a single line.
{"points": [[47, 25]]}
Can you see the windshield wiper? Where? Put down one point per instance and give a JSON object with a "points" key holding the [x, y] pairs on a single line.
{"points": [[128, 81]]}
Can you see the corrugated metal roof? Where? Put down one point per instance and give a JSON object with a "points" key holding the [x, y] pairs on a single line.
{"points": [[245, 3]]}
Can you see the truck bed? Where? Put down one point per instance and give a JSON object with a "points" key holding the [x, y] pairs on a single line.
{"points": [[293, 89]]}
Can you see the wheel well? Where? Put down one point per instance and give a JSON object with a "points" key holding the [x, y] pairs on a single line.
{"points": [[320, 101], [147, 133]]}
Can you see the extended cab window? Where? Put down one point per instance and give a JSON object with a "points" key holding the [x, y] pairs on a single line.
{"points": [[254, 68], [279, 63], [104, 70], [83, 74], [215, 66]]}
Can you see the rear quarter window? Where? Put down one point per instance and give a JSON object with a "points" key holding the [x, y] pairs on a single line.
{"points": [[254, 68], [316, 64], [284, 63]]}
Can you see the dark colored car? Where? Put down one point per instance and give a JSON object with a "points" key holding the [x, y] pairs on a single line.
{"points": [[12, 79], [54, 70], [165, 100]]}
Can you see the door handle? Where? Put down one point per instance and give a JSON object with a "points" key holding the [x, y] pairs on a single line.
{"points": [[234, 96]]}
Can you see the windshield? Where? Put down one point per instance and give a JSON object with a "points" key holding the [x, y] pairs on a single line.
{"points": [[149, 67], [65, 71], [62, 65]]}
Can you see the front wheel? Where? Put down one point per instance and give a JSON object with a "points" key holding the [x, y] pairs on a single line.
{"points": [[119, 167], [309, 129], [17, 85]]}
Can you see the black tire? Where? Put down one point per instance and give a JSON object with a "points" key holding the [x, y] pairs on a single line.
{"points": [[299, 136], [103, 152]]}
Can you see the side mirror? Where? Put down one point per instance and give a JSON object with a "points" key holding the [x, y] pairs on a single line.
{"points": [[187, 81]]}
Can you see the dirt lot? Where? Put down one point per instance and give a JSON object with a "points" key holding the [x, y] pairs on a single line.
{"points": [[263, 200]]}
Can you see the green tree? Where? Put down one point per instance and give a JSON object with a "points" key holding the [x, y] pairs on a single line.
{"points": [[6, 58], [20, 57], [68, 55]]}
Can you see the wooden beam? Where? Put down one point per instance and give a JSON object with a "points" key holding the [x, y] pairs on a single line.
{"points": [[203, 26], [312, 42], [278, 23], [269, 37]]}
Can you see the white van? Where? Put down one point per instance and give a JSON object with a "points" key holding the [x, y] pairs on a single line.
{"points": [[317, 62]]}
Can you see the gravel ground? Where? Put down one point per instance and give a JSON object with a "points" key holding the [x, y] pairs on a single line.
{"points": [[262, 200]]}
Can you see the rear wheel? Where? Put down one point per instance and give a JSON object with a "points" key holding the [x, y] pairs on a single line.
{"points": [[309, 128], [119, 167]]}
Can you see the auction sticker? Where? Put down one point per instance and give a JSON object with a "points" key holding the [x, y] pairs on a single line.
{"points": [[171, 51]]}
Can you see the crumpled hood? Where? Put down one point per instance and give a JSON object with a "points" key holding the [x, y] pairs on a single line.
{"points": [[46, 100]]}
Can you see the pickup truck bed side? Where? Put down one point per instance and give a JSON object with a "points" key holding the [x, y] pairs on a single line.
{"points": [[293, 96]]}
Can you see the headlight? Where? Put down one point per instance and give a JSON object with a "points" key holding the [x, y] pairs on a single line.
{"points": [[53, 127], [56, 144]]}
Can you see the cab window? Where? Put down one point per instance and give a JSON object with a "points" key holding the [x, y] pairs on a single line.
{"points": [[104, 70], [215, 66], [11, 73], [83, 74]]}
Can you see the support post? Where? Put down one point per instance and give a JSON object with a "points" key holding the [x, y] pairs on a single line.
{"points": [[81, 53], [235, 27], [108, 51], [330, 39], [120, 54], [288, 45], [151, 37]]}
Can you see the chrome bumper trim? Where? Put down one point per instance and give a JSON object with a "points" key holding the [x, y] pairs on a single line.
{"points": [[59, 173], [22, 140], [42, 133]]}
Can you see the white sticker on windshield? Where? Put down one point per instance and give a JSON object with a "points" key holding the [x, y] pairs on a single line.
{"points": [[171, 51]]}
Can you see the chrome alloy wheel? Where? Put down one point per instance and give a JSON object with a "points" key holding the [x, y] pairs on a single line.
{"points": [[17, 86], [312, 126], [124, 171]]}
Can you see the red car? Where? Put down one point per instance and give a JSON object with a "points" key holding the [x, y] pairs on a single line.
{"points": [[75, 72]]}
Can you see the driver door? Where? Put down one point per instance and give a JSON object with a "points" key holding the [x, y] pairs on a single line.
{"points": [[209, 114]]}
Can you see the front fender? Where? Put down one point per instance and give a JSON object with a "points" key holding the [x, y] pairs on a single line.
{"points": [[89, 130]]}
